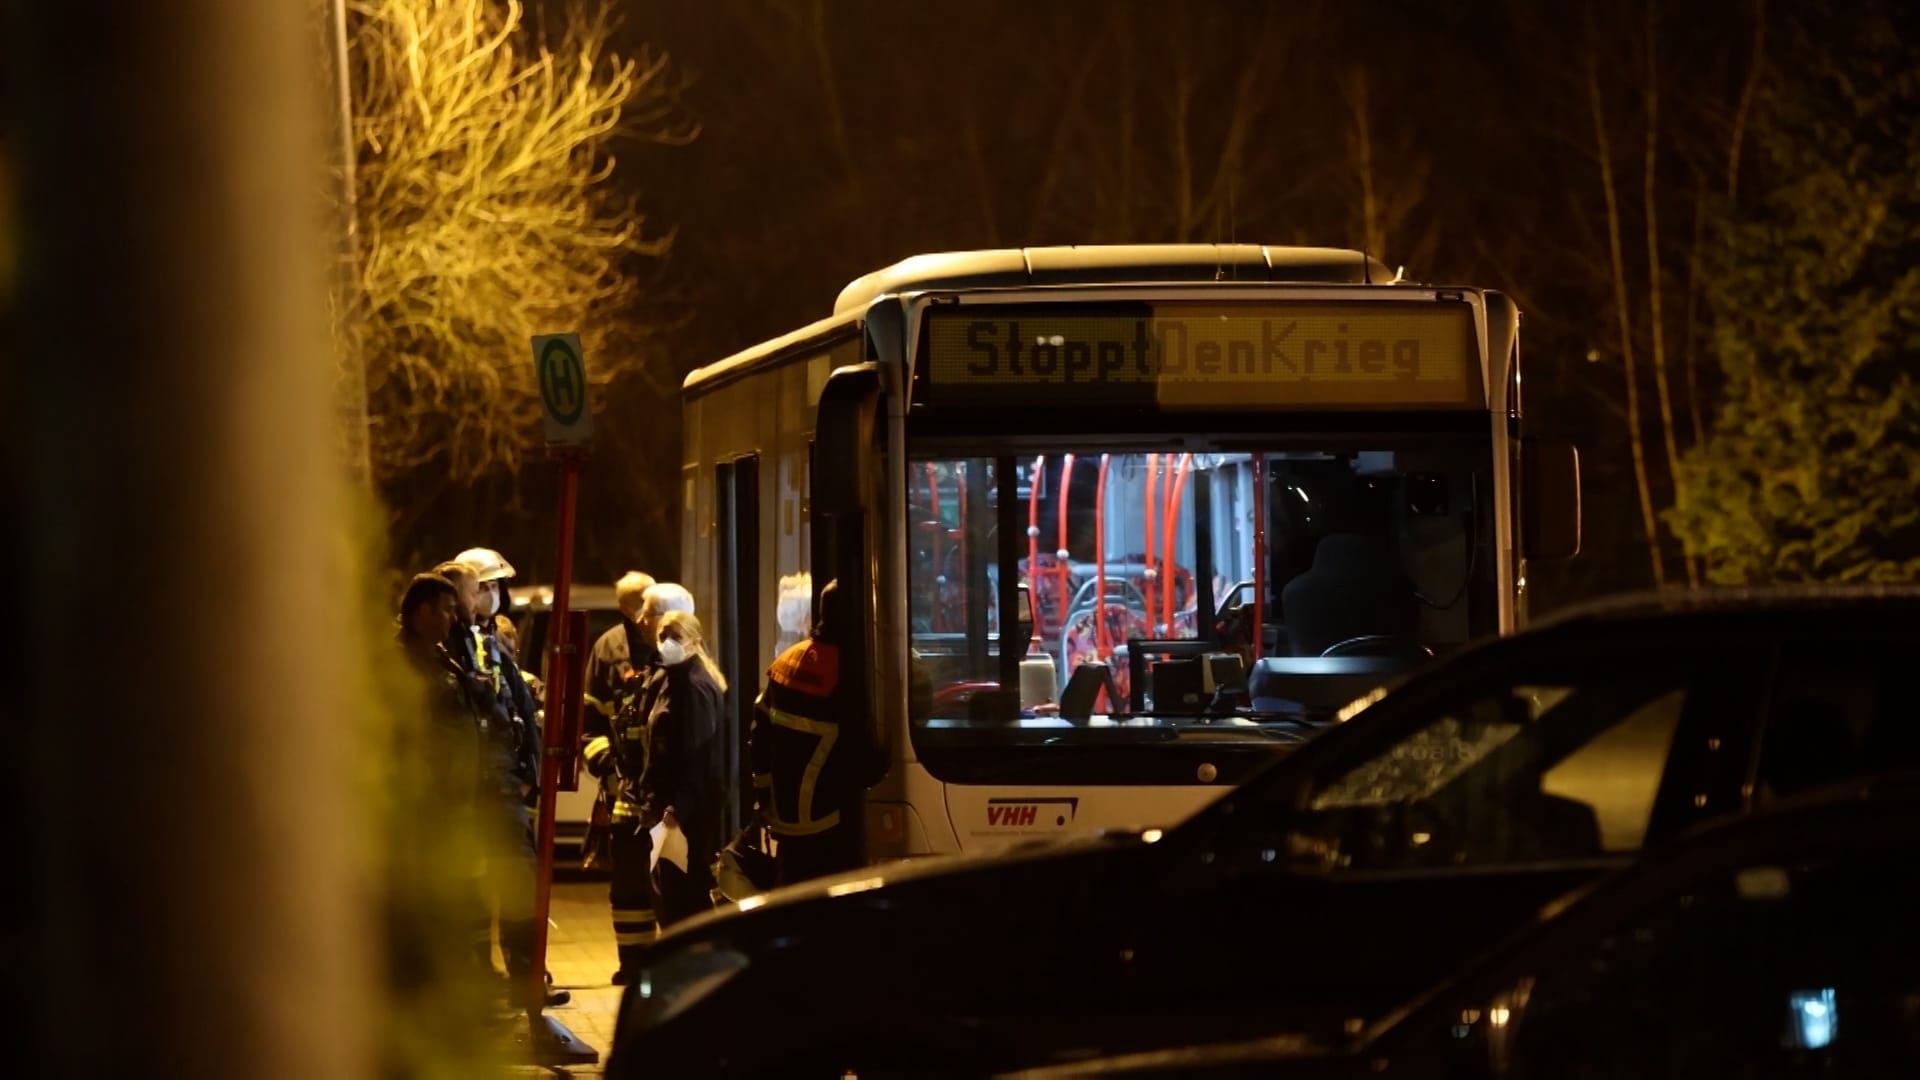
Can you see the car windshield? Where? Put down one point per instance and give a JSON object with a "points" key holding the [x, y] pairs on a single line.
{"points": [[1566, 767], [1175, 595]]}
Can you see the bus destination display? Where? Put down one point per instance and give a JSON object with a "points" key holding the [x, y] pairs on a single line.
{"points": [[1320, 355]]}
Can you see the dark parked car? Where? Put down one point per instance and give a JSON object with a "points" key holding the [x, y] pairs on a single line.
{"points": [[1782, 944], [1353, 874]]}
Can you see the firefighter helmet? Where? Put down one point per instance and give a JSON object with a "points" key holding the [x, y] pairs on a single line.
{"points": [[488, 564]]}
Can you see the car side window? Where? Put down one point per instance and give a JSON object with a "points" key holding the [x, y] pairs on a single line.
{"points": [[1773, 970], [1842, 707], [1565, 765]]}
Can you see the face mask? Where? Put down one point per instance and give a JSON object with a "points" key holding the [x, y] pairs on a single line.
{"points": [[672, 652], [492, 600]]}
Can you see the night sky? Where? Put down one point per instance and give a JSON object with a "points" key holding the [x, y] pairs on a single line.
{"points": [[839, 137]]}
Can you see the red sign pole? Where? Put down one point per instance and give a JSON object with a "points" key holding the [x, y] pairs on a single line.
{"points": [[563, 697]]}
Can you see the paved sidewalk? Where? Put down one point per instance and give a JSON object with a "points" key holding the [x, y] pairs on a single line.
{"points": [[581, 955]]}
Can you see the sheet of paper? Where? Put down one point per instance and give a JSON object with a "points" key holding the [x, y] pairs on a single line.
{"points": [[668, 844]]}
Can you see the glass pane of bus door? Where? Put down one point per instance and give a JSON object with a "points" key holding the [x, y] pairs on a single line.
{"points": [[952, 580], [737, 513]]}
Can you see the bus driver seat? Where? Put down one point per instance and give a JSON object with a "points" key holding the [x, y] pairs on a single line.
{"points": [[1355, 588]]}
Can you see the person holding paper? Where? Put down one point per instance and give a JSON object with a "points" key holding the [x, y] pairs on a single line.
{"points": [[682, 790]]}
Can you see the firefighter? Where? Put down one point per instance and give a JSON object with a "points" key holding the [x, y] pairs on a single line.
{"points": [[619, 759], [512, 788], [614, 671], [813, 752], [620, 654], [452, 750]]}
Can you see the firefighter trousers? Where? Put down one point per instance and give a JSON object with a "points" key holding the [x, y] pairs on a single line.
{"points": [[512, 863], [635, 907]]}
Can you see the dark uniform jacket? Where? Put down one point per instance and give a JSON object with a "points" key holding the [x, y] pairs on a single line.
{"points": [[683, 753], [511, 725], [518, 697], [621, 759], [616, 667], [456, 704], [809, 765]]}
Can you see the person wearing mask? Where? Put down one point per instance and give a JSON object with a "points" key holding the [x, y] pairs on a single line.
{"points": [[508, 635], [683, 787], [512, 773], [491, 573], [619, 759], [490, 718], [813, 754]]}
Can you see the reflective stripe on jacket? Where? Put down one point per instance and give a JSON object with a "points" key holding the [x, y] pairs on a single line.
{"points": [[808, 765]]}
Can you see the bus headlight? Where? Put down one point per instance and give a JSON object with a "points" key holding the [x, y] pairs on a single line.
{"points": [[680, 981]]}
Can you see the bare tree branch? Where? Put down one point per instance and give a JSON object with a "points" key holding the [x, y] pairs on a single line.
{"points": [[1657, 327], [1069, 111], [1602, 148], [1747, 87], [816, 29], [1181, 106], [486, 220], [1692, 326]]}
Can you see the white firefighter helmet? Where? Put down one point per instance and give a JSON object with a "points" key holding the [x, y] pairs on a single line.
{"points": [[488, 564]]}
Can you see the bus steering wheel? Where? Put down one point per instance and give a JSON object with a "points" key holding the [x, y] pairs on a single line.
{"points": [[1372, 645]]}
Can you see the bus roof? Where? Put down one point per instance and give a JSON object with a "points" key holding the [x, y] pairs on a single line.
{"points": [[1087, 264], [746, 358], [1113, 264]]}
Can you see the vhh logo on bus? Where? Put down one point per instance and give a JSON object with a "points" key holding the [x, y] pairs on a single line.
{"points": [[1030, 813]]}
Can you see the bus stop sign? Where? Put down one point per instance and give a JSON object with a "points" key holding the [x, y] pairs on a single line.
{"points": [[562, 371]]}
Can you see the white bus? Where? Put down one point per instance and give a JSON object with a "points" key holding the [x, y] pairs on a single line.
{"points": [[1224, 490]]}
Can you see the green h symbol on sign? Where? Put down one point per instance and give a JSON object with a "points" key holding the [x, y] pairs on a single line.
{"points": [[563, 387]]}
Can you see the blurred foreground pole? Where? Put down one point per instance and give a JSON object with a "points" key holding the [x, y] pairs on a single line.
{"points": [[198, 884]]}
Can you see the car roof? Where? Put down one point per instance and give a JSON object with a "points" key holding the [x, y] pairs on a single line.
{"points": [[1729, 614], [1873, 814], [1647, 620], [1774, 602], [1869, 813], [579, 598]]}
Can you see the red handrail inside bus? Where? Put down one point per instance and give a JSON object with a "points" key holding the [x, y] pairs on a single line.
{"points": [[1170, 531], [1259, 552], [1100, 633], [1061, 572], [960, 484], [933, 526], [1147, 577], [1033, 543]]}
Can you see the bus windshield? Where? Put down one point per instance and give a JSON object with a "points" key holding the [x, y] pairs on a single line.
{"points": [[1169, 595]]}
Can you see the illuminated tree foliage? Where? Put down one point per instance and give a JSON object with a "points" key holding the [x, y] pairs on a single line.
{"points": [[1810, 469], [485, 218]]}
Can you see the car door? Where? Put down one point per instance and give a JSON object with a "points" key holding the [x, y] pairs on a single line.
{"points": [[1452, 814], [1793, 965]]}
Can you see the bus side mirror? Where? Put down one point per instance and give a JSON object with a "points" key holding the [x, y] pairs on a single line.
{"points": [[1550, 498], [843, 439]]}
